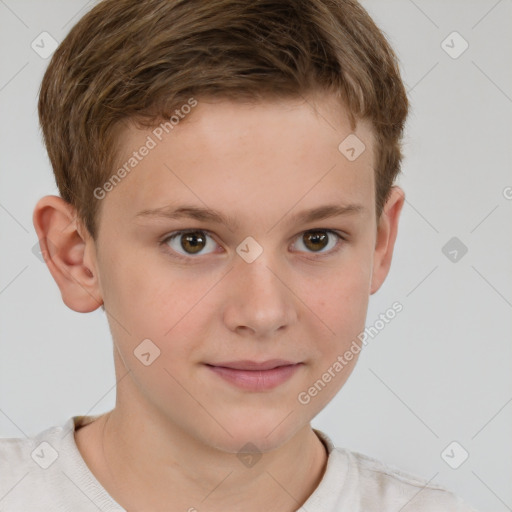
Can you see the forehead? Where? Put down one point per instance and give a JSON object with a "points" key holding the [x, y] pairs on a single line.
{"points": [[240, 157]]}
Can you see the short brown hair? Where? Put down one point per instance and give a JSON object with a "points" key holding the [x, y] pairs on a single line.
{"points": [[140, 60]]}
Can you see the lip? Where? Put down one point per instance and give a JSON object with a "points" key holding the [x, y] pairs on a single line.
{"points": [[247, 364], [255, 376]]}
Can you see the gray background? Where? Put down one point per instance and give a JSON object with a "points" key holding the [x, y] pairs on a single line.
{"points": [[441, 371]]}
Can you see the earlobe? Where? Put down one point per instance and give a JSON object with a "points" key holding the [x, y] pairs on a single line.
{"points": [[64, 251], [387, 231]]}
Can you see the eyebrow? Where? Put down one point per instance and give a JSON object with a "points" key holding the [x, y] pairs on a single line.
{"points": [[208, 214]]}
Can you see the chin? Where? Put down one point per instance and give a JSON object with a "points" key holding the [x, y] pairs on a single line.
{"points": [[267, 432]]}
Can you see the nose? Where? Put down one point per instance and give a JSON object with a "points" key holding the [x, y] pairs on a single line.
{"points": [[260, 301]]}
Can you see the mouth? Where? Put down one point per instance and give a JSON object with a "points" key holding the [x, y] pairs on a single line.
{"points": [[253, 375]]}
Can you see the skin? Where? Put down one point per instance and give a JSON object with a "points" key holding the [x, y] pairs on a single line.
{"points": [[171, 442]]}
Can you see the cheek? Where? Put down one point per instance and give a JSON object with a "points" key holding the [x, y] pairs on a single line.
{"points": [[343, 297], [341, 303], [147, 291], [343, 308], [162, 305]]}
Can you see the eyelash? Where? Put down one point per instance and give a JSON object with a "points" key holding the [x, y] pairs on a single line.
{"points": [[341, 238]]}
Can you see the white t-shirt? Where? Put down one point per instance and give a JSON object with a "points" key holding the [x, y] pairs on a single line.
{"points": [[46, 473]]}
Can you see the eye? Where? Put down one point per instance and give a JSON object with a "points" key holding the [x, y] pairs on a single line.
{"points": [[187, 243], [192, 242], [315, 240]]}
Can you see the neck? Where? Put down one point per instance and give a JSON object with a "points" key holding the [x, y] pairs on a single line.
{"points": [[150, 466]]}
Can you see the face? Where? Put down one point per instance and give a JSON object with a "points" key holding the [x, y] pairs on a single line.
{"points": [[266, 282]]}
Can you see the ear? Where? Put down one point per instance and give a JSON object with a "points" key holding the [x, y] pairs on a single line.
{"points": [[68, 251], [387, 231]]}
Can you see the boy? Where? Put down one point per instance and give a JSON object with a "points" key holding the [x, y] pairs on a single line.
{"points": [[201, 150]]}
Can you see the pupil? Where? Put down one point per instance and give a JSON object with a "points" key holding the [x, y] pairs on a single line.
{"points": [[192, 240], [316, 236]]}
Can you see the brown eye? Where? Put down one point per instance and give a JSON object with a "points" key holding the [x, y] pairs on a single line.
{"points": [[190, 242], [315, 240], [193, 242]]}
